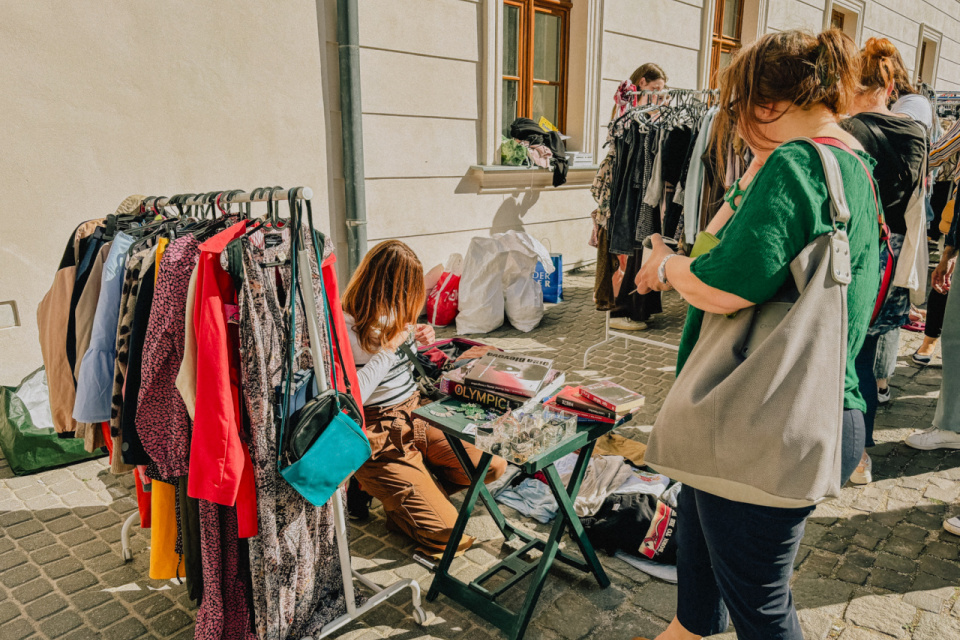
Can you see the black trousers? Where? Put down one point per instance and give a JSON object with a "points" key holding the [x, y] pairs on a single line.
{"points": [[936, 307], [735, 560]]}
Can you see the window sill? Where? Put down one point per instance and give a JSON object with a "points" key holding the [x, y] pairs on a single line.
{"points": [[496, 177]]}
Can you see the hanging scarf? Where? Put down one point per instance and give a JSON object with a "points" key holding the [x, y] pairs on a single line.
{"points": [[623, 99]]}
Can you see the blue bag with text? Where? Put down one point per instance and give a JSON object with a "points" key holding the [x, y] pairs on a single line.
{"points": [[552, 284]]}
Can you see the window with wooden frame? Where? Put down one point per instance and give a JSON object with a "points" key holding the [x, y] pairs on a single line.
{"points": [[837, 18], [727, 35], [536, 39]]}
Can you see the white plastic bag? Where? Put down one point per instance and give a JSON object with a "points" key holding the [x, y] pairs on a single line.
{"points": [[481, 287], [523, 296]]}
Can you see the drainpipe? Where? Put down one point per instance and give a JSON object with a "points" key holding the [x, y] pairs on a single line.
{"points": [[351, 123]]}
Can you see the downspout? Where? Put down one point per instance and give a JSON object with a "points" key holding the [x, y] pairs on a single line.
{"points": [[351, 124]]}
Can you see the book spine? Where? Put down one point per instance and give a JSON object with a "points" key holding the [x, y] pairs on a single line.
{"points": [[582, 415], [600, 401], [479, 396], [496, 388], [603, 412]]}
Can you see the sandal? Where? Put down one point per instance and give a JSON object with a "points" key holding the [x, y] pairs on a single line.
{"points": [[915, 326]]}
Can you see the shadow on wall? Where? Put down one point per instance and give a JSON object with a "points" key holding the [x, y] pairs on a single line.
{"points": [[510, 214]]}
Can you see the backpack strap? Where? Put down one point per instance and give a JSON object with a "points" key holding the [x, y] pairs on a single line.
{"points": [[886, 280]]}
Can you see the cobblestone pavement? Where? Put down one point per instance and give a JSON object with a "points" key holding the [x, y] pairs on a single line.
{"points": [[875, 563]]}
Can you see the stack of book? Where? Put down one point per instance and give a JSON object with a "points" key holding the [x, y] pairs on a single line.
{"points": [[605, 402], [503, 381]]}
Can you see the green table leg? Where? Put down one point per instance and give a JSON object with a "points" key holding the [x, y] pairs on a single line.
{"points": [[565, 497], [477, 475], [507, 529]]}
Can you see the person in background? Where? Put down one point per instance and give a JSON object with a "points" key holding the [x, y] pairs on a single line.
{"points": [[646, 77], [945, 431], [735, 559], [898, 144], [382, 304], [634, 310]]}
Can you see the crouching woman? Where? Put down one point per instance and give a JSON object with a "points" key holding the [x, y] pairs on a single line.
{"points": [[413, 468]]}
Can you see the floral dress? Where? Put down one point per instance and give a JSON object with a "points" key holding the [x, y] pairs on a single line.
{"points": [[297, 582]]}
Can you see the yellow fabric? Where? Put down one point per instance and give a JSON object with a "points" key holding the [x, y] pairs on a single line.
{"points": [[946, 216], [614, 445], [165, 563], [161, 247]]}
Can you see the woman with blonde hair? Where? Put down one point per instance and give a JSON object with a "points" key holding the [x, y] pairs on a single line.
{"points": [[735, 547], [382, 304]]}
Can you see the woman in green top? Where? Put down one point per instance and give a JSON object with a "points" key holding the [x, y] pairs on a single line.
{"points": [[735, 559]]}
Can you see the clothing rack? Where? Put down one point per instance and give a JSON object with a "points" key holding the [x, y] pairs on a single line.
{"points": [[612, 334], [380, 595]]}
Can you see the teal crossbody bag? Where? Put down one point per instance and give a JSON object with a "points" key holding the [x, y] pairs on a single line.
{"points": [[321, 444]]}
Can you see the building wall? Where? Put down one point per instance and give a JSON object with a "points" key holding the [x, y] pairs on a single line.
{"points": [[106, 98]]}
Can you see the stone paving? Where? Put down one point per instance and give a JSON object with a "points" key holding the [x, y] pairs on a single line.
{"points": [[875, 563]]}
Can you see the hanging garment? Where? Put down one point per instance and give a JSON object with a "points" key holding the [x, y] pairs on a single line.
{"points": [[297, 583], [87, 255], [600, 189], [693, 186], [95, 382], [187, 374], [224, 613], [220, 466], [607, 264], [628, 174], [165, 562], [190, 540], [91, 434], [52, 320], [132, 450], [163, 423]]}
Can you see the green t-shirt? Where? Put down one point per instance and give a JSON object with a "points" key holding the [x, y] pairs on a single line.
{"points": [[784, 209]]}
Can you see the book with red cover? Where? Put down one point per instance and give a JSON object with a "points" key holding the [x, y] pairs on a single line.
{"points": [[612, 396], [581, 415], [570, 398]]}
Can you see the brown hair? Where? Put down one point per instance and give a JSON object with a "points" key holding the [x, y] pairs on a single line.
{"points": [[385, 294], [650, 72], [882, 65], [791, 66]]}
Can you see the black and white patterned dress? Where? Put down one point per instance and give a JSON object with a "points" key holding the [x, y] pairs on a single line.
{"points": [[297, 584]]}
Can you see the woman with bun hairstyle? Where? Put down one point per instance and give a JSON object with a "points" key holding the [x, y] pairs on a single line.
{"points": [[735, 558], [898, 144], [382, 303]]}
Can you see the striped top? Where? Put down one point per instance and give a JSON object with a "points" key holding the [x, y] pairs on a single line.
{"points": [[385, 378], [946, 148]]}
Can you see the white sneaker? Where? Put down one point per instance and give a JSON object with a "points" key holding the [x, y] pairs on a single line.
{"points": [[883, 395], [863, 474], [952, 525], [626, 324], [934, 438]]}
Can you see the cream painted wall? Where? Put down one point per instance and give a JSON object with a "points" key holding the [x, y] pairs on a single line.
{"points": [[105, 98]]}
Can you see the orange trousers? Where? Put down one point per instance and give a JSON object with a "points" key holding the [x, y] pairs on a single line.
{"points": [[412, 472]]}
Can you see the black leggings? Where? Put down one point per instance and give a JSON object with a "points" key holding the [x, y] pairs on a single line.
{"points": [[936, 306]]}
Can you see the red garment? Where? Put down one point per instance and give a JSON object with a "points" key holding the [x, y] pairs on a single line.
{"points": [[143, 497], [342, 348], [220, 467]]}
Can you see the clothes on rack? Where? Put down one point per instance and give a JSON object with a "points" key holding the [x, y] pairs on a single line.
{"points": [[651, 181], [176, 360]]}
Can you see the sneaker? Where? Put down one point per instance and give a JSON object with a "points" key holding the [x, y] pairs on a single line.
{"points": [[952, 525], [358, 501], [934, 438], [626, 324], [883, 395], [863, 474], [921, 359]]}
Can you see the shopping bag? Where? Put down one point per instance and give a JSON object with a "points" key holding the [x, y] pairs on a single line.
{"points": [[443, 300], [481, 287], [523, 297], [551, 283]]}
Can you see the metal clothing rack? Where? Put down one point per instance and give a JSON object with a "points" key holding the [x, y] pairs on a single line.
{"points": [[380, 595], [612, 334]]}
